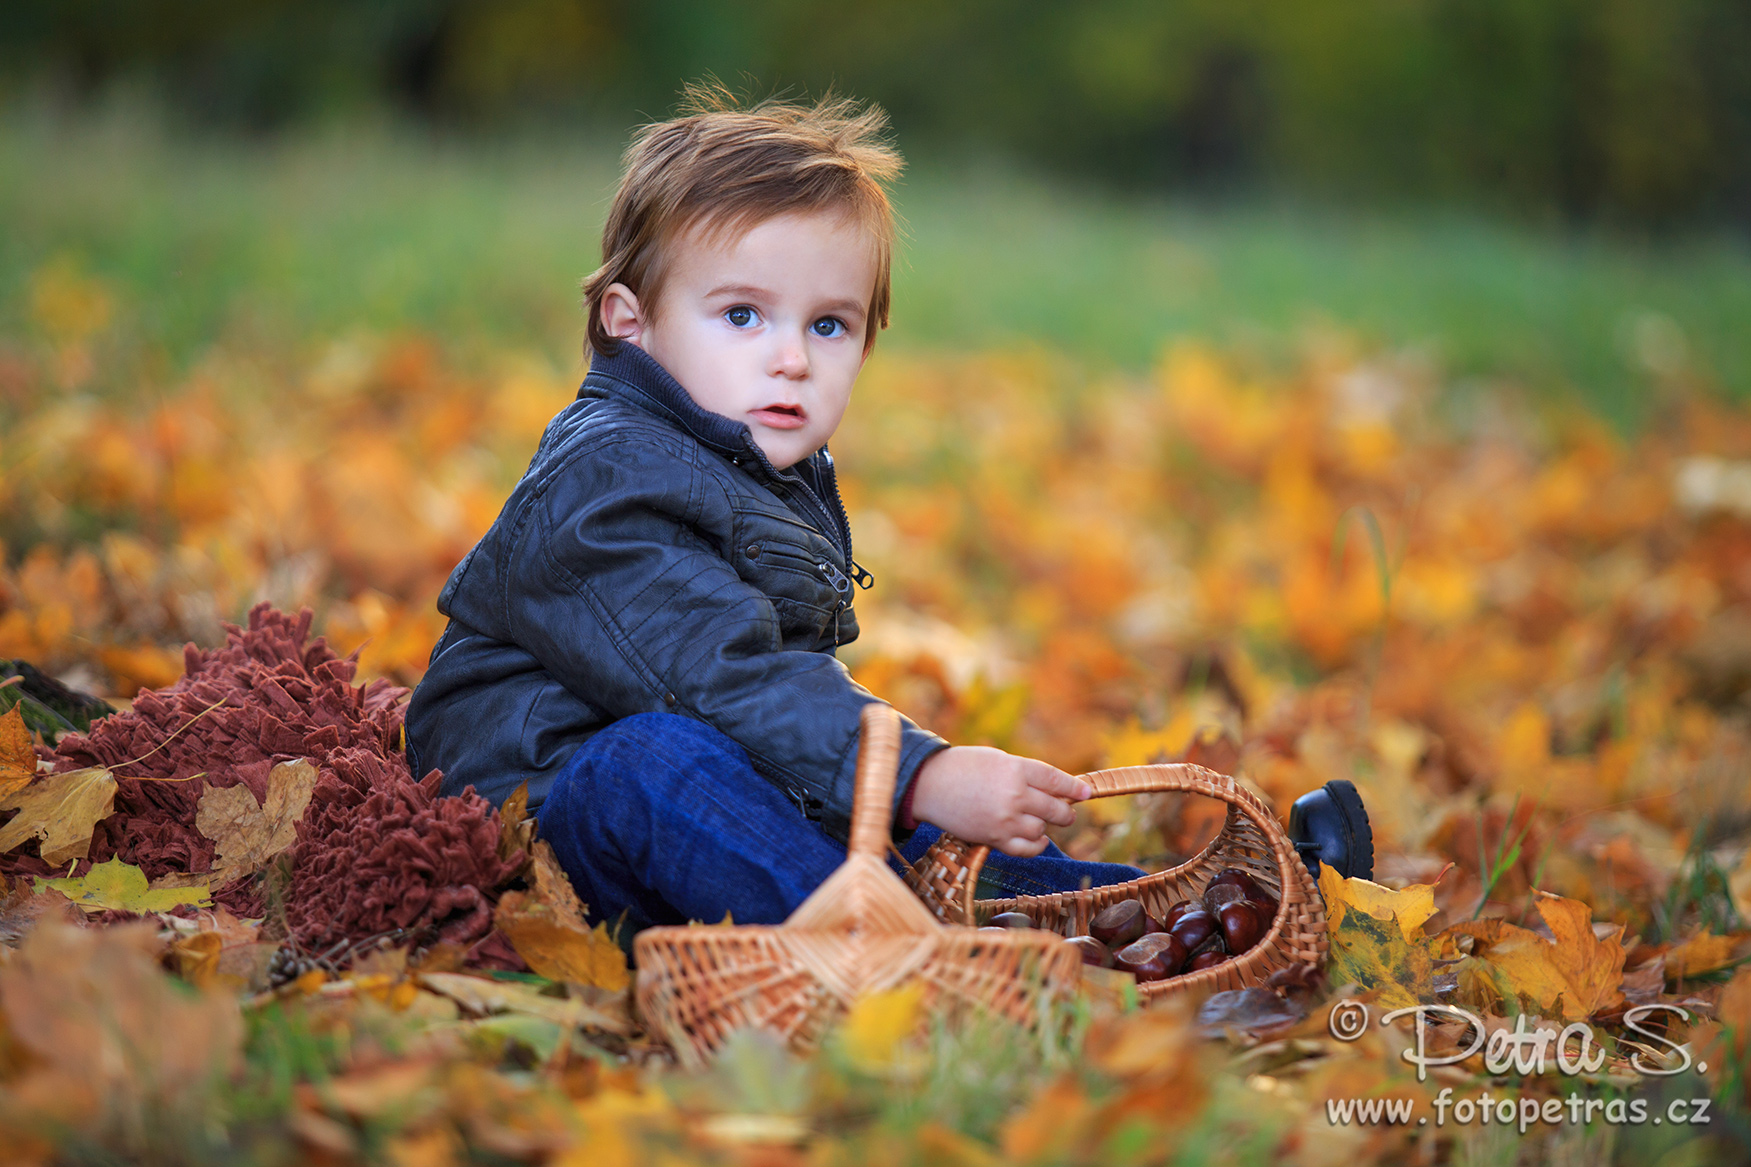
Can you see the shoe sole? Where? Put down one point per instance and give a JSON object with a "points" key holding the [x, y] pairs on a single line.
{"points": [[1361, 849]]}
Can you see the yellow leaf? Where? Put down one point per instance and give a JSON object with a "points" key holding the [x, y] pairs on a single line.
{"points": [[483, 997], [123, 886], [249, 833], [558, 946], [877, 1026], [197, 957], [1377, 937], [62, 810], [1702, 953], [17, 758], [1575, 976]]}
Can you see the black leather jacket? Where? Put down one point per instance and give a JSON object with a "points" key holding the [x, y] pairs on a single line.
{"points": [[652, 559]]}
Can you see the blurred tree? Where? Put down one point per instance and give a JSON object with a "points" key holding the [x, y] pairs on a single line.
{"points": [[1633, 110]]}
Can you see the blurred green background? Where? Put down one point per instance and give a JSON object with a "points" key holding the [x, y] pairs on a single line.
{"points": [[1556, 193]]}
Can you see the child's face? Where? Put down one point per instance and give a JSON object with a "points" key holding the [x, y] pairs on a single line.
{"points": [[765, 327]]}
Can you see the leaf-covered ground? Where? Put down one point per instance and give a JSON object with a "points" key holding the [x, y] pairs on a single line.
{"points": [[1526, 639]]}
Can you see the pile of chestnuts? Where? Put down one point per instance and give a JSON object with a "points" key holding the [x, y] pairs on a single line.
{"points": [[1232, 915]]}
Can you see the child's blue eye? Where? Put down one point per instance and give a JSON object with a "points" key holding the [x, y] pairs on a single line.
{"points": [[828, 327], [741, 316]]}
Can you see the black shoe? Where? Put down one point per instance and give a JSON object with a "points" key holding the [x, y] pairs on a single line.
{"points": [[1329, 825]]}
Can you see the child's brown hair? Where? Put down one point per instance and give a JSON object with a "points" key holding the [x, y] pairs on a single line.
{"points": [[727, 168]]}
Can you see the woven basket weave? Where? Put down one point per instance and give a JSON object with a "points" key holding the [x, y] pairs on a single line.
{"points": [[1251, 839], [861, 931]]}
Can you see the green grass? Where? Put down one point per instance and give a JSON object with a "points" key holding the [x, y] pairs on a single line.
{"points": [[484, 239]]}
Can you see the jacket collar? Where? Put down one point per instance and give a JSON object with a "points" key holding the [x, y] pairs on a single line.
{"points": [[632, 374]]}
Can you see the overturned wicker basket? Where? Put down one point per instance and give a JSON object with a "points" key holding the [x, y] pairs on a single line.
{"points": [[1251, 839], [860, 932]]}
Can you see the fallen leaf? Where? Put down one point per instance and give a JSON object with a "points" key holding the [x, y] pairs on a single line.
{"points": [[1574, 976], [547, 928], [196, 958], [1247, 1010], [559, 949], [516, 825], [247, 833], [22, 906], [61, 810], [1377, 937], [875, 1030], [483, 998], [17, 757], [1702, 953], [103, 1022], [122, 886]]}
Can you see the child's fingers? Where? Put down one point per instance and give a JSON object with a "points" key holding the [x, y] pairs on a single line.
{"points": [[1023, 848], [1058, 784], [1044, 807]]}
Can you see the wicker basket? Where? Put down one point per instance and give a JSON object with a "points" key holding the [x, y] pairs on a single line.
{"points": [[861, 931], [1251, 839]]}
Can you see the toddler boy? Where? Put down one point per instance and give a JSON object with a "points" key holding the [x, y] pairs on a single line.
{"points": [[646, 634]]}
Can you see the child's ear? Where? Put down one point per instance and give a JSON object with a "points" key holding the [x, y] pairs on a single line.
{"points": [[621, 316]]}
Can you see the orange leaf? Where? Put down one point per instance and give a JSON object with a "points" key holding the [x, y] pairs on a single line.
{"points": [[1575, 976], [17, 758]]}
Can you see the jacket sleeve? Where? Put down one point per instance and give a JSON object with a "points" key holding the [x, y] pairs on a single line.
{"points": [[623, 596]]}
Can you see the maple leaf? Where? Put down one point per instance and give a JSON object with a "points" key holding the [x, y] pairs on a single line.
{"points": [[1377, 937], [17, 758], [122, 886], [61, 810], [1575, 975], [248, 833], [548, 930]]}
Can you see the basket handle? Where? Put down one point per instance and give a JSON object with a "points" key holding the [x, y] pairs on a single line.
{"points": [[878, 763], [963, 862]]}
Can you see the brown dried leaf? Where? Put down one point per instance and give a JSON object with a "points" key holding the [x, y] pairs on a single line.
{"points": [[61, 810], [22, 906], [249, 834], [17, 758]]}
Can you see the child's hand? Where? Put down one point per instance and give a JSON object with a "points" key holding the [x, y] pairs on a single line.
{"points": [[987, 796]]}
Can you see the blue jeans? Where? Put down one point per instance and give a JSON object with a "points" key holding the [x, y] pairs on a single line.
{"points": [[664, 819]]}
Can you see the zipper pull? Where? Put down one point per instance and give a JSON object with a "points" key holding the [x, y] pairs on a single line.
{"points": [[864, 578]]}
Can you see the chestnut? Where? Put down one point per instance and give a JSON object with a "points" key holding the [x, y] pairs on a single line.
{"points": [[1155, 957], [1195, 928], [1092, 951], [1120, 924], [1206, 960], [994, 928], [1012, 920], [1237, 877], [1267, 907], [1173, 914], [1219, 895], [1241, 927]]}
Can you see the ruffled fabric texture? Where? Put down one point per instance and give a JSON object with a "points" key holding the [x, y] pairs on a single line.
{"points": [[376, 849]]}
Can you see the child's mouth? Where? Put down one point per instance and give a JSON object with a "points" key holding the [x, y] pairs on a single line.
{"points": [[780, 417]]}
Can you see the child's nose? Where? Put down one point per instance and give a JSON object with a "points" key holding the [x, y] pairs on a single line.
{"points": [[792, 358]]}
